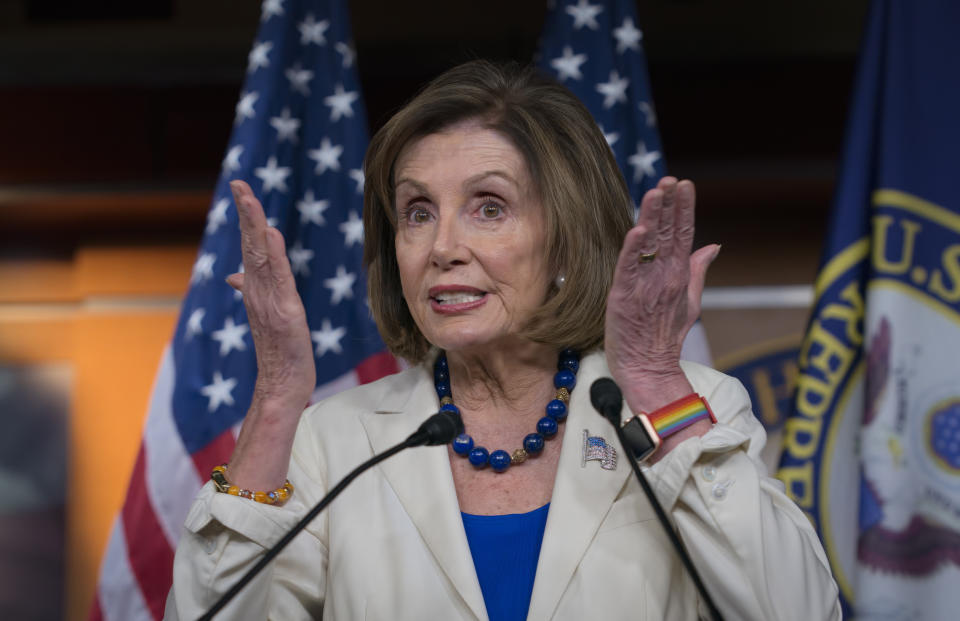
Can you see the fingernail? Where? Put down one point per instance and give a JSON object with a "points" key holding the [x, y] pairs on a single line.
{"points": [[716, 252]]}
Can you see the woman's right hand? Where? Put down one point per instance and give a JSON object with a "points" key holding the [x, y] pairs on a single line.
{"points": [[285, 367]]}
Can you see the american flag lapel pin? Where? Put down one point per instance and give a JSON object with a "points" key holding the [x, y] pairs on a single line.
{"points": [[596, 448]]}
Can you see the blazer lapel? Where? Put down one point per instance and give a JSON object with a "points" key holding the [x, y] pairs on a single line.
{"points": [[582, 495], [423, 482]]}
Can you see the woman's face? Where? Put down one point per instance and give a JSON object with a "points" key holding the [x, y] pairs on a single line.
{"points": [[471, 238]]}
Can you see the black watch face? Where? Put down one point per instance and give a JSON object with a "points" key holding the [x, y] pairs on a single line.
{"points": [[638, 440]]}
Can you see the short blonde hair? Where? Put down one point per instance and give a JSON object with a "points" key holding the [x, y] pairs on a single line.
{"points": [[588, 208]]}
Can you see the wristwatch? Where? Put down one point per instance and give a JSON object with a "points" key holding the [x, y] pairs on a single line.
{"points": [[644, 433]]}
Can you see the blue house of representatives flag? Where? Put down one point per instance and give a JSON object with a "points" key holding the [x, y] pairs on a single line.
{"points": [[872, 447], [299, 138]]}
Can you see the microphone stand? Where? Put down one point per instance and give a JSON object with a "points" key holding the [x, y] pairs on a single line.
{"points": [[438, 429], [657, 507]]}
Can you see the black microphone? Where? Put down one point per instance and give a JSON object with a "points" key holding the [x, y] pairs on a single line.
{"points": [[607, 399], [440, 428]]}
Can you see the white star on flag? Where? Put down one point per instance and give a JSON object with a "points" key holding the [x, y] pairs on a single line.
{"points": [[273, 176], [614, 91], [300, 259], [611, 138], [195, 323], [627, 36], [312, 210], [327, 156], [299, 79], [230, 336], [270, 8], [257, 57], [219, 391], [328, 338], [203, 267], [217, 215], [286, 126], [244, 107], [341, 102], [341, 285], [585, 14], [648, 112], [642, 162], [352, 229], [357, 175], [347, 52], [231, 161], [311, 31], [568, 65]]}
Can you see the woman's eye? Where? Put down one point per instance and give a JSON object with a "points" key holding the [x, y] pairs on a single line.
{"points": [[419, 216], [492, 210]]}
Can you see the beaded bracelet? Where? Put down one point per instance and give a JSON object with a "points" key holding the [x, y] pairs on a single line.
{"points": [[276, 497]]}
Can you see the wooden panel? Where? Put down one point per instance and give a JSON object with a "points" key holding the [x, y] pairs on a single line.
{"points": [[108, 210], [50, 311], [36, 281], [117, 357], [133, 271]]}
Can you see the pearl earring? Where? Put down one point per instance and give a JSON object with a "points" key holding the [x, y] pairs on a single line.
{"points": [[560, 280]]}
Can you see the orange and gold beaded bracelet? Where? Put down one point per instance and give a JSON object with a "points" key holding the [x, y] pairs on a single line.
{"points": [[276, 497]]}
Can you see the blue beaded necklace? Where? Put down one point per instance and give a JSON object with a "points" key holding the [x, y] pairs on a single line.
{"points": [[566, 378]]}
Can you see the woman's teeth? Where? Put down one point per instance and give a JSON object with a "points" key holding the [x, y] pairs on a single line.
{"points": [[457, 298]]}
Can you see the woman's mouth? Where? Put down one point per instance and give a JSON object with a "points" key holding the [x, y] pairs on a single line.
{"points": [[455, 299], [444, 299]]}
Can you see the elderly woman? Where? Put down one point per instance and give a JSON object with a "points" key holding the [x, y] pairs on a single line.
{"points": [[500, 249]]}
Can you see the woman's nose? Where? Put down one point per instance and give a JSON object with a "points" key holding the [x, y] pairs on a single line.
{"points": [[449, 244]]}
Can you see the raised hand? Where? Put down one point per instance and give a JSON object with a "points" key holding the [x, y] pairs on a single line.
{"points": [[655, 297], [285, 369]]}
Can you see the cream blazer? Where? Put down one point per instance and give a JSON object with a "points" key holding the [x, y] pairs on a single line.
{"points": [[392, 546]]}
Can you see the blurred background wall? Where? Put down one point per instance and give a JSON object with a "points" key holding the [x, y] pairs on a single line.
{"points": [[113, 122]]}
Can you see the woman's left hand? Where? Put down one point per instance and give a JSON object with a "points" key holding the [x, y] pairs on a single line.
{"points": [[654, 302]]}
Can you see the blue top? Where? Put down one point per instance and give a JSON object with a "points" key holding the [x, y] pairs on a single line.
{"points": [[505, 551]]}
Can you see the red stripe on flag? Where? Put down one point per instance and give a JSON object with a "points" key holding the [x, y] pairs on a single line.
{"points": [[217, 452], [151, 558], [376, 366]]}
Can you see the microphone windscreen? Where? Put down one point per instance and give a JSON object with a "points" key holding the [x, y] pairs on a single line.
{"points": [[607, 399], [442, 427]]}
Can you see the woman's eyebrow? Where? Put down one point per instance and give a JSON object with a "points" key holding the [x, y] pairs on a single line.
{"points": [[419, 187], [491, 173]]}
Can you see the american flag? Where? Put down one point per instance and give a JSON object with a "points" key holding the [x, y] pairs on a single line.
{"points": [[299, 138], [595, 50], [596, 448]]}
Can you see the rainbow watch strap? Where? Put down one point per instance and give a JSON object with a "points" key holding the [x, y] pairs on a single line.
{"points": [[682, 413]]}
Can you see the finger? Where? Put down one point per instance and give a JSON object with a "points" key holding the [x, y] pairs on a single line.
{"points": [[280, 269], [253, 223], [684, 227], [665, 234], [642, 238], [236, 281], [699, 263]]}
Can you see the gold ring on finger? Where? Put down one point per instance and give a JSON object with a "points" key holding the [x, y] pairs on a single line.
{"points": [[647, 257]]}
